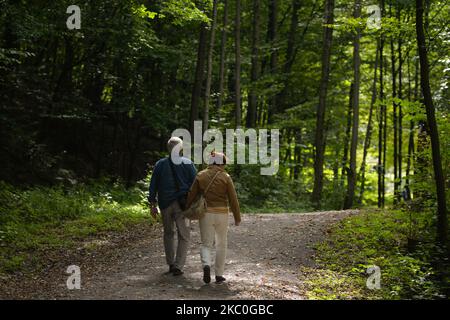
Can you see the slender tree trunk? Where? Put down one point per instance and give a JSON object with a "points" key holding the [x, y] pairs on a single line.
{"points": [[348, 203], [291, 50], [223, 49], [409, 159], [199, 76], [442, 226], [320, 119], [422, 165], [209, 68], [254, 73], [336, 168], [380, 167], [384, 166], [272, 35], [395, 120], [347, 136], [293, 30], [64, 83], [298, 154], [237, 66], [400, 114], [288, 155], [259, 115], [369, 129], [411, 128]]}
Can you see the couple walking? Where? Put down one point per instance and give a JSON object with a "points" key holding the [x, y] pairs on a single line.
{"points": [[175, 187]]}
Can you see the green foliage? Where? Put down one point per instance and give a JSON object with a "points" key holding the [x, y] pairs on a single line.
{"points": [[403, 250], [184, 11], [143, 12], [259, 193], [44, 218]]}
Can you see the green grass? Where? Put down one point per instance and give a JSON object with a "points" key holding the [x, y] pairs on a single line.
{"points": [[44, 218], [377, 238]]}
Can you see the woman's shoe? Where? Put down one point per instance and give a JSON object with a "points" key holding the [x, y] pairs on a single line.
{"points": [[220, 279], [206, 274]]}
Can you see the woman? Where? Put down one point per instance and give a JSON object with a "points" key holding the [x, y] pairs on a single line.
{"points": [[214, 225]]}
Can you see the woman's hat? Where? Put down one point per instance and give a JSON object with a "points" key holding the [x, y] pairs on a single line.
{"points": [[217, 158]]}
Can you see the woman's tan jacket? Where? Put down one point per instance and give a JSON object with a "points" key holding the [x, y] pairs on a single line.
{"points": [[221, 194]]}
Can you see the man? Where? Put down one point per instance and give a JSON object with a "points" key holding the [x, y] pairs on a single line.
{"points": [[169, 184]]}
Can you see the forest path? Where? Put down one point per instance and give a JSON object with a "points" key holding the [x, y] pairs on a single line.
{"points": [[264, 257]]}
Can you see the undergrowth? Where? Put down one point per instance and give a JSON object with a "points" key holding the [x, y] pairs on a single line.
{"points": [[403, 249], [45, 218]]}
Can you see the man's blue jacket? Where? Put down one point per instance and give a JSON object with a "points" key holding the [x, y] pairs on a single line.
{"points": [[162, 184]]}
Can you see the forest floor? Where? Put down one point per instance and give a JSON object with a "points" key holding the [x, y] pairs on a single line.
{"points": [[265, 256]]}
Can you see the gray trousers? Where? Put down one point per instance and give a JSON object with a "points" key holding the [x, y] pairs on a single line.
{"points": [[172, 217]]}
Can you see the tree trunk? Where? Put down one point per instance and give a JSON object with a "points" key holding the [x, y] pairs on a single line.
{"points": [[272, 35], [291, 49], [442, 227], [409, 159], [320, 119], [422, 165], [395, 120], [348, 203], [64, 83], [384, 166], [380, 167], [237, 76], [336, 169], [297, 154], [347, 136], [400, 114], [209, 69], [369, 130], [199, 76], [254, 73], [223, 48], [411, 128], [288, 155]]}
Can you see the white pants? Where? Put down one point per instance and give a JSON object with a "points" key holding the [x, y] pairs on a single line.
{"points": [[214, 226]]}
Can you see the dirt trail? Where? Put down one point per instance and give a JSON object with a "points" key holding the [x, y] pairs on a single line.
{"points": [[264, 255]]}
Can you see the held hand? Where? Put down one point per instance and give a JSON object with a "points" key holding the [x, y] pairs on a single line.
{"points": [[154, 211]]}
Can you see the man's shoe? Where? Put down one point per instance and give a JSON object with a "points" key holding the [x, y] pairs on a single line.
{"points": [[220, 279], [177, 272], [171, 268], [206, 274]]}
